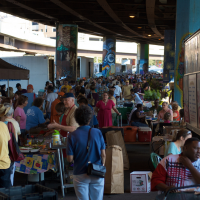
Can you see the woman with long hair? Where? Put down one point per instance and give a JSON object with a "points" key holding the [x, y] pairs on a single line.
{"points": [[175, 146]]}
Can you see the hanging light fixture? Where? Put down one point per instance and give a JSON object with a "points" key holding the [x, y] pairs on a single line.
{"points": [[131, 15]]}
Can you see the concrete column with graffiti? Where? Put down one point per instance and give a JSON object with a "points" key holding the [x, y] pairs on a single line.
{"points": [[169, 56], [109, 51], [187, 22], [142, 58], [66, 51]]}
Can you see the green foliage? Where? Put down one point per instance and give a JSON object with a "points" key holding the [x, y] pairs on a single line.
{"points": [[155, 84], [152, 94], [148, 94], [152, 62], [97, 59]]}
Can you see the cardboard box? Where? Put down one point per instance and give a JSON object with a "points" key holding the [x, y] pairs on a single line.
{"points": [[140, 181]]}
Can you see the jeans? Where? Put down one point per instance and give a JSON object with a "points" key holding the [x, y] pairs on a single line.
{"points": [[48, 115], [5, 178], [88, 187], [139, 124], [12, 172]]}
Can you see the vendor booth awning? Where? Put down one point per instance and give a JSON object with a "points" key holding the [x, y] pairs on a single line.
{"points": [[8, 71]]}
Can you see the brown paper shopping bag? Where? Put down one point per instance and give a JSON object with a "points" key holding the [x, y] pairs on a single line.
{"points": [[115, 138], [114, 177]]}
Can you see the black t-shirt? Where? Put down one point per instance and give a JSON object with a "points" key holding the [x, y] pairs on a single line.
{"points": [[142, 90], [146, 85], [134, 116]]}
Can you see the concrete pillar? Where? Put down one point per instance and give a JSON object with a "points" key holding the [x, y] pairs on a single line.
{"points": [[187, 22], [169, 56], [66, 51], [109, 49], [142, 58]]}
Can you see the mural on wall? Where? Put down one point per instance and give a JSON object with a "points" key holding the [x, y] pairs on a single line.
{"points": [[179, 70], [109, 45], [66, 51]]}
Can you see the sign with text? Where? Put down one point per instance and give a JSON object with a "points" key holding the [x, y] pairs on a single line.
{"points": [[186, 99], [193, 99], [198, 98]]}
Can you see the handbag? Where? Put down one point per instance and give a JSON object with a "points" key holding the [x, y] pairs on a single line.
{"points": [[14, 151], [94, 169]]}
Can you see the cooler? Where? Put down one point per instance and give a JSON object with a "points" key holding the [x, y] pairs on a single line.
{"points": [[144, 134], [130, 133]]}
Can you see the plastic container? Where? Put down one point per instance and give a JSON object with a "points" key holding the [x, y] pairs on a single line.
{"points": [[29, 192], [130, 133], [144, 134], [56, 137]]}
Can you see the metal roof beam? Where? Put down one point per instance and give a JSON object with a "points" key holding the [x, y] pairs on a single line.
{"points": [[108, 9], [73, 12], [31, 9], [150, 8]]}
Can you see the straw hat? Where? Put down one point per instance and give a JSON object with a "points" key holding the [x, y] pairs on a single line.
{"points": [[3, 110]]}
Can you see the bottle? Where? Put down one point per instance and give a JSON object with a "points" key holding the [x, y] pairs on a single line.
{"points": [[56, 137]]}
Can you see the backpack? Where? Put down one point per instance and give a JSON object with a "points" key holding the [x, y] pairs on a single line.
{"points": [[92, 100]]}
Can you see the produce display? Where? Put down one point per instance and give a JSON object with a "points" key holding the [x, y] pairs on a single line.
{"points": [[152, 95]]}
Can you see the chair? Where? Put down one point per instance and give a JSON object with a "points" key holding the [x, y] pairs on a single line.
{"points": [[155, 159]]}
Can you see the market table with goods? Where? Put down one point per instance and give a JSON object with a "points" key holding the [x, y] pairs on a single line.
{"points": [[44, 153]]}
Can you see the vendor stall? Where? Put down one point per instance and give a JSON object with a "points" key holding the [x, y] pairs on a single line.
{"points": [[11, 72], [37, 163], [42, 155]]}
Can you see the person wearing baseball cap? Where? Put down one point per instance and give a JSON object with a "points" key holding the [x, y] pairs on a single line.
{"points": [[68, 123], [31, 97], [19, 89], [54, 115], [126, 90]]}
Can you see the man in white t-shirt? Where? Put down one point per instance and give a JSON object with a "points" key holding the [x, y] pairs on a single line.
{"points": [[118, 91], [135, 97], [51, 96]]}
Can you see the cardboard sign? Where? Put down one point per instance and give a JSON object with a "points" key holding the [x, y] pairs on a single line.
{"points": [[140, 182]]}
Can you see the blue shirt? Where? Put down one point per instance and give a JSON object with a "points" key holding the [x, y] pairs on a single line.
{"points": [[60, 88], [77, 146], [93, 121], [34, 117], [31, 98], [172, 149]]}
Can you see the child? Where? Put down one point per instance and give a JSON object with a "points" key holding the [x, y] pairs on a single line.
{"points": [[167, 117], [60, 108]]}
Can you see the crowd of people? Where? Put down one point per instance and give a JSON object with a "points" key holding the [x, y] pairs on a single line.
{"points": [[78, 107]]}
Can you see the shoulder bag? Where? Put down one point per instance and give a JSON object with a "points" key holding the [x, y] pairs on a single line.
{"points": [[94, 169], [14, 151]]}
